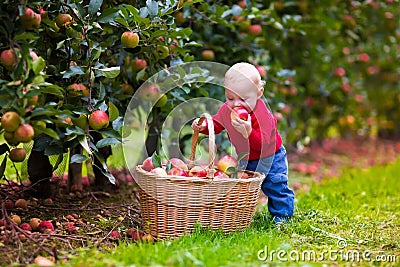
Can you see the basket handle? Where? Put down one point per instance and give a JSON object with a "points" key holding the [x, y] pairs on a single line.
{"points": [[211, 144]]}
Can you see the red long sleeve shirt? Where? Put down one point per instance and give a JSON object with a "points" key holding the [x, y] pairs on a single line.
{"points": [[264, 139]]}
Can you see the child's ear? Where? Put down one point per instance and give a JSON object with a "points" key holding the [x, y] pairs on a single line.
{"points": [[260, 92]]}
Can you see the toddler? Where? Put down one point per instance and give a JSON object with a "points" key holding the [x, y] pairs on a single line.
{"points": [[257, 137]]}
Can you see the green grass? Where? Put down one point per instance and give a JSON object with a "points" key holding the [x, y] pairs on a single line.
{"points": [[352, 220]]}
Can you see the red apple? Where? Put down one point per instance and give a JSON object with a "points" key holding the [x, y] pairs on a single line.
{"points": [[8, 59], [174, 171], [239, 112], [226, 162], [150, 92], [339, 72], [148, 164], [135, 234], [17, 154], [26, 227], [115, 234], [30, 20], [139, 64], [98, 120], [220, 174], [198, 171], [63, 20], [10, 121], [129, 39], [178, 163], [208, 55], [24, 133], [255, 29], [363, 57], [45, 227]]}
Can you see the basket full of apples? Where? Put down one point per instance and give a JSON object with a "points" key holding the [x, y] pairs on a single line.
{"points": [[177, 195]]}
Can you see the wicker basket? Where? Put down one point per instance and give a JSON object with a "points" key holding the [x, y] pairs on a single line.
{"points": [[172, 205]]}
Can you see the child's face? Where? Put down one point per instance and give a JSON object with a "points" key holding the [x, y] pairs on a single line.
{"points": [[243, 97]]}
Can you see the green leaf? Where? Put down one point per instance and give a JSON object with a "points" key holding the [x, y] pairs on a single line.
{"points": [[95, 53], [152, 7], [108, 15], [3, 167], [84, 143], [169, 167], [50, 132], [113, 112], [94, 6], [53, 89], [107, 142], [60, 159], [38, 65], [111, 73], [156, 160], [122, 21], [73, 70], [78, 158], [3, 149]]}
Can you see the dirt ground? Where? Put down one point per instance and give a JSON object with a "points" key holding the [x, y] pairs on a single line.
{"points": [[91, 218]]}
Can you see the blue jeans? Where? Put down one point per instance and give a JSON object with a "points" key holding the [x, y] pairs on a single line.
{"points": [[275, 184]]}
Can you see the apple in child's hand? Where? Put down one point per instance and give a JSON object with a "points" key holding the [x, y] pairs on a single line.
{"points": [[226, 163], [178, 163], [198, 171], [159, 171], [239, 112], [148, 164], [177, 172]]}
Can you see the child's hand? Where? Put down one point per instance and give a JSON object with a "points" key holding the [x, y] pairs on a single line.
{"points": [[197, 127], [242, 126]]}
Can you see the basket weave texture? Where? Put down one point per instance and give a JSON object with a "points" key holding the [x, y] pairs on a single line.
{"points": [[172, 205]]}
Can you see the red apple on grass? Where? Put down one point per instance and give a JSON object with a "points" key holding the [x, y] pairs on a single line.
{"points": [[129, 39], [226, 164], [239, 112], [10, 121], [17, 154], [26, 227], [45, 227], [98, 120]]}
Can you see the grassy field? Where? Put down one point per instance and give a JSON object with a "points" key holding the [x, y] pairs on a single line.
{"points": [[352, 220]]}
